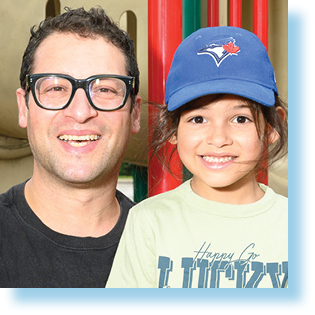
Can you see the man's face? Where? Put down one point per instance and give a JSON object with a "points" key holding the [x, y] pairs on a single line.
{"points": [[94, 161]]}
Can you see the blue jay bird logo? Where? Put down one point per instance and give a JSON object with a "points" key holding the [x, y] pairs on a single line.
{"points": [[220, 49]]}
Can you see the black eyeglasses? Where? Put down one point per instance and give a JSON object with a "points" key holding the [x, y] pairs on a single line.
{"points": [[55, 91]]}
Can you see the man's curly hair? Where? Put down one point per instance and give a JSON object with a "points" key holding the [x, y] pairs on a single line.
{"points": [[89, 24]]}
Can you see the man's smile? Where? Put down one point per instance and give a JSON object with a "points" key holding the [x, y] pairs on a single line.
{"points": [[78, 141]]}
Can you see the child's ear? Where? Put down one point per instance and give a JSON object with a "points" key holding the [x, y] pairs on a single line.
{"points": [[273, 134], [173, 140]]}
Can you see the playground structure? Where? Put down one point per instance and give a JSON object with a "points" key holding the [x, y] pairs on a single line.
{"points": [[157, 27]]}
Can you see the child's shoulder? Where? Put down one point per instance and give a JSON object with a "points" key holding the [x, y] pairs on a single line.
{"points": [[165, 200], [278, 199], [282, 199]]}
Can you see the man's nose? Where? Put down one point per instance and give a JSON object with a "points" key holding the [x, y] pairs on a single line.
{"points": [[80, 108]]}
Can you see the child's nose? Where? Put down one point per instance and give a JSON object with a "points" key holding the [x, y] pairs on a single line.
{"points": [[218, 136]]}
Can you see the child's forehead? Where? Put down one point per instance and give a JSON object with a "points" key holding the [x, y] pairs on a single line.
{"points": [[227, 102]]}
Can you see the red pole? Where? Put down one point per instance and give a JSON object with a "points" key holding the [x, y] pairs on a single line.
{"points": [[236, 13], [260, 28], [213, 12], [260, 20], [165, 34]]}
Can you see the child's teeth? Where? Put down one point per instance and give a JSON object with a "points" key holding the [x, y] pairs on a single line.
{"points": [[217, 160]]}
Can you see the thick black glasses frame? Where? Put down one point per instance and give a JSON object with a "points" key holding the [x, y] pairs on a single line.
{"points": [[77, 84]]}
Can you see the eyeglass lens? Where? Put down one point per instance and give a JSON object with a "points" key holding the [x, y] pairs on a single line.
{"points": [[55, 92]]}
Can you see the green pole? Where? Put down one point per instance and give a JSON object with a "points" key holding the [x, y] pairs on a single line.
{"points": [[140, 183], [191, 16], [191, 23]]}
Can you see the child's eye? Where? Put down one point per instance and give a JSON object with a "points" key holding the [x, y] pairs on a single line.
{"points": [[198, 120], [241, 119]]}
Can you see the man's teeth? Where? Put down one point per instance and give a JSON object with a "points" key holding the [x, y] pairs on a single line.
{"points": [[213, 159], [79, 138], [79, 141]]}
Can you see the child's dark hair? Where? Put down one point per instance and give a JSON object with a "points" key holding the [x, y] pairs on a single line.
{"points": [[166, 124]]}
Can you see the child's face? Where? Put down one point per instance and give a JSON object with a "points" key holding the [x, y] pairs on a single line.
{"points": [[219, 144]]}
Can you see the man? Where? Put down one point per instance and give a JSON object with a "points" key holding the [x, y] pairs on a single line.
{"points": [[78, 100]]}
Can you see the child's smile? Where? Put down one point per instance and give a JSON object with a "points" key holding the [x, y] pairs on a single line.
{"points": [[213, 159], [217, 161], [219, 144]]}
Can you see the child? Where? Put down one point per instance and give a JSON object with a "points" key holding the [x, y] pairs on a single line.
{"points": [[221, 229]]}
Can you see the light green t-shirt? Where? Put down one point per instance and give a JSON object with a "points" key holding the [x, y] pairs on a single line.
{"points": [[180, 240]]}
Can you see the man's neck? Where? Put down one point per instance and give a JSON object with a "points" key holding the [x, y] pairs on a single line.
{"points": [[74, 211]]}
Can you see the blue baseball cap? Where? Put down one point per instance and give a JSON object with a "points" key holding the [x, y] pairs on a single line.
{"points": [[222, 59]]}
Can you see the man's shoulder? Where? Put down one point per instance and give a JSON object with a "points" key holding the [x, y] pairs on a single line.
{"points": [[125, 202], [7, 197], [10, 202]]}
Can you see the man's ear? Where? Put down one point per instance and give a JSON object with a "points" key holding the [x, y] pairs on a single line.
{"points": [[23, 110], [273, 134], [136, 115]]}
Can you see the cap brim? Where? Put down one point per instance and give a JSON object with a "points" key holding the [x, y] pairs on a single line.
{"points": [[250, 90]]}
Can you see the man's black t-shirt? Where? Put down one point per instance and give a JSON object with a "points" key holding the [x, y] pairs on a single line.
{"points": [[33, 255]]}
